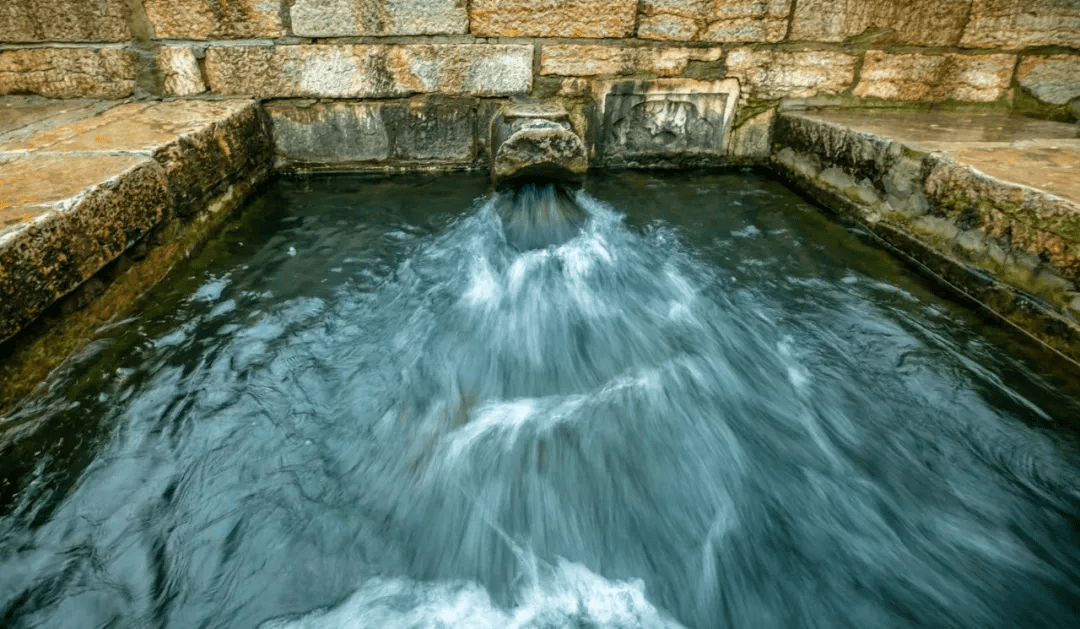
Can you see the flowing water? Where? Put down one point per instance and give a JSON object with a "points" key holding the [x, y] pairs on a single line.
{"points": [[712, 407]]}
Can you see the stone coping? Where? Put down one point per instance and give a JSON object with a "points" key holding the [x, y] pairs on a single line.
{"points": [[83, 181], [988, 202]]}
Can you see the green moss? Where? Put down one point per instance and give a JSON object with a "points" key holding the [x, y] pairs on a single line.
{"points": [[751, 110], [705, 70], [1024, 104]]}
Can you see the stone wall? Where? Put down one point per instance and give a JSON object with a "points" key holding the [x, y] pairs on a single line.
{"points": [[1003, 54]]}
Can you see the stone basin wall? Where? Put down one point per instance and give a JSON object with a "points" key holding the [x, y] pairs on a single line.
{"points": [[1005, 55]]}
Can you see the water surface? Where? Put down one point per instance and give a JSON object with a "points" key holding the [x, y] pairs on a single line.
{"points": [[714, 407]]}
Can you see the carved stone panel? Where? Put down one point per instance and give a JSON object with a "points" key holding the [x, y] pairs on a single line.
{"points": [[661, 122]]}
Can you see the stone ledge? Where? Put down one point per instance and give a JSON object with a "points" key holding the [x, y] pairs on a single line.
{"points": [[76, 193], [989, 202], [82, 213]]}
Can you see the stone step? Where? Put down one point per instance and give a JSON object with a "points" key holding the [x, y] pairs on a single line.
{"points": [[82, 181]]}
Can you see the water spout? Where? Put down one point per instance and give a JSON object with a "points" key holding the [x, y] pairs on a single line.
{"points": [[539, 163]]}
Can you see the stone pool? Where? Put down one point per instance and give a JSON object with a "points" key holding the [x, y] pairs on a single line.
{"points": [[714, 407]]}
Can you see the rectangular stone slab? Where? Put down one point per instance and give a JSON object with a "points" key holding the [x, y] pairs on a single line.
{"points": [[68, 72], [988, 202], [553, 18], [64, 20], [370, 71], [82, 185], [201, 144], [645, 122], [350, 18], [425, 131], [62, 218]]}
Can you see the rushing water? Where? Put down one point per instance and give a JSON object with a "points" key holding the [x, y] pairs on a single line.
{"points": [[363, 408]]}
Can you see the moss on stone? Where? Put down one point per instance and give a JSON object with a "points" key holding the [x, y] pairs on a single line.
{"points": [[1025, 104]]}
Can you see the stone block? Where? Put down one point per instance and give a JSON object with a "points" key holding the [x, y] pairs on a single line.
{"points": [[919, 77], [435, 131], [68, 72], [553, 18], [665, 121], [1016, 24], [440, 130], [776, 74], [1054, 79], [908, 22], [369, 71], [344, 18], [202, 145], [79, 214], [63, 21], [180, 71], [313, 134], [714, 20], [752, 139], [215, 19], [599, 60]]}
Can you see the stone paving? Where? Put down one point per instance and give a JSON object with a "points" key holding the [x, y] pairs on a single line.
{"points": [[81, 181]]}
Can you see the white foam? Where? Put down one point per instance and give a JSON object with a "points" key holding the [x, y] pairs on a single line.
{"points": [[570, 597]]}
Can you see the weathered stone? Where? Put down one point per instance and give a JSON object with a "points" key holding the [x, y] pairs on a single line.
{"points": [[63, 21], [666, 120], [63, 218], [751, 140], [23, 116], [715, 20], [434, 131], [313, 134], [536, 138], [1042, 225], [343, 18], [990, 203], [369, 71], [68, 72], [219, 143], [1054, 79], [907, 77], [180, 71], [214, 19], [596, 60], [1015, 24], [774, 74], [201, 144], [552, 18], [911, 22]]}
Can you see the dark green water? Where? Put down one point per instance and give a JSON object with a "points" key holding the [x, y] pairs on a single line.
{"points": [[714, 407]]}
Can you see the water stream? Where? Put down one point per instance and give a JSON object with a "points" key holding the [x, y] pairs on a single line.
{"points": [[712, 407]]}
